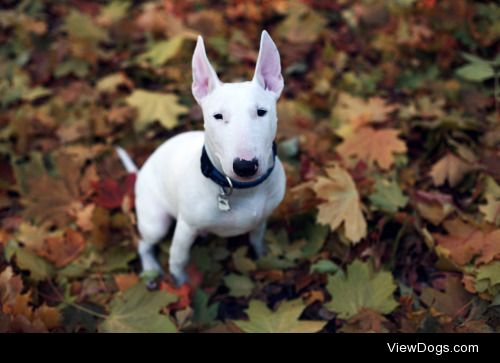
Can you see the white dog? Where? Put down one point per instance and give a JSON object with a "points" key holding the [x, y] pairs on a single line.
{"points": [[226, 180]]}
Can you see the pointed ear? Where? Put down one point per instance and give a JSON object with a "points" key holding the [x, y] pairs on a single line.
{"points": [[204, 77], [268, 68]]}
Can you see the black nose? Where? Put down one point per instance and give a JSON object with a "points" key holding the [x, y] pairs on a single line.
{"points": [[245, 168]]}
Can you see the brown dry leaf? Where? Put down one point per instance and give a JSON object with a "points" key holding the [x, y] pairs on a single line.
{"points": [[366, 321], [464, 242], [342, 204], [84, 217], [49, 199], [449, 168], [10, 286], [22, 316], [434, 206], [61, 250], [126, 281], [452, 301], [354, 112], [370, 145], [49, 316]]}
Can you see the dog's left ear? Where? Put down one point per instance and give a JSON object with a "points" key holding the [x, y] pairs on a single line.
{"points": [[268, 68]]}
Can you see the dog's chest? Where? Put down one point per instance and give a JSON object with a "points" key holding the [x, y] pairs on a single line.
{"points": [[246, 214]]}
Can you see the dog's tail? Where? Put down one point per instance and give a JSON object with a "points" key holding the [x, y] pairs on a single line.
{"points": [[127, 161]]}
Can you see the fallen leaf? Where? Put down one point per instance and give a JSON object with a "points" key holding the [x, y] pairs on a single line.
{"points": [[239, 285], [62, 249], [370, 146], [453, 300], [126, 281], [353, 112], [387, 196], [359, 288], [342, 204], [464, 242], [284, 320], [153, 106], [449, 168], [138, 310]]}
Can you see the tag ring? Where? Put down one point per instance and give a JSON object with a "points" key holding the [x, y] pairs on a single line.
{"points": [[230, 189]]}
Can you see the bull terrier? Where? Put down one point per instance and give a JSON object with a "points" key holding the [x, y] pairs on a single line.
{"points": [[225, 180]]}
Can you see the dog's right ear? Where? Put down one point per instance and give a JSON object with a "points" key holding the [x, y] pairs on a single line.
{"points": [[204, 77]]}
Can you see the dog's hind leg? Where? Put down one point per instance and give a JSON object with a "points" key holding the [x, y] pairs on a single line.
{"points": [[153, 223], [184, 237]]}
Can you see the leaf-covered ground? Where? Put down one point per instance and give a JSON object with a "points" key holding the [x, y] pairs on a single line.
{"points": [[388, 129]]}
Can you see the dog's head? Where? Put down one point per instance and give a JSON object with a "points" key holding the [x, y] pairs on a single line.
{"points": [[240, 118]]}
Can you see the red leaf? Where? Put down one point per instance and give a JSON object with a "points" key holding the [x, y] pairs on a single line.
{"points": [[110, 193]]}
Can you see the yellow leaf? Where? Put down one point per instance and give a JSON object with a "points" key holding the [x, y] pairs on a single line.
{"points": [[342, 203], [283, 320], [154, 106], [353, 112], [372, 145], [491, 210]]}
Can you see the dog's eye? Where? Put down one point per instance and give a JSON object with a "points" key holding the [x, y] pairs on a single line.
{"points": [[261, 112], [218, 116]]}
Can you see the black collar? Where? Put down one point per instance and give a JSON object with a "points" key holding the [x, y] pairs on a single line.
{"points": [[210, 171]]}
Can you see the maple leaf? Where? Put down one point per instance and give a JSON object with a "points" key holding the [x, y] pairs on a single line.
{"points": [[359, 288], [365, 321], [284, 320], [153, 106], [452, 300], [126, 281], [449, 168], [182, 293], [17, 306], [138, 310], [353, 112], [488, 278], [464, 242], [491, 210], [370, 145], [388, 196], [50, 200], [239, 285], [62, 249], [110, 193], [342, 204]]}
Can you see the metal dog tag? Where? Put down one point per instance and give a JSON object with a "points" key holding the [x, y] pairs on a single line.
{"points": [[223, 197], [223, 202]]}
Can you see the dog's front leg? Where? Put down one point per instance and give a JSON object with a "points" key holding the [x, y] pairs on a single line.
{"points": [[184, 236], [257, 239]]}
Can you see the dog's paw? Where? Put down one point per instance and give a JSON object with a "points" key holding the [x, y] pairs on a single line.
{"points": [[180, 277]]}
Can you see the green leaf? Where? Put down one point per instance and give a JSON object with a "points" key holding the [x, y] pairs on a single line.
{"points": [[81, 26], [488, 278], [138, 310], [26, 260], [154, 106], [162, 51], [241, 262], [283, 320], [325, 266], [204, 314], [239, 285], [315, 236], [114, 11], [387, 197], [476, 72], [360, 288]]}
